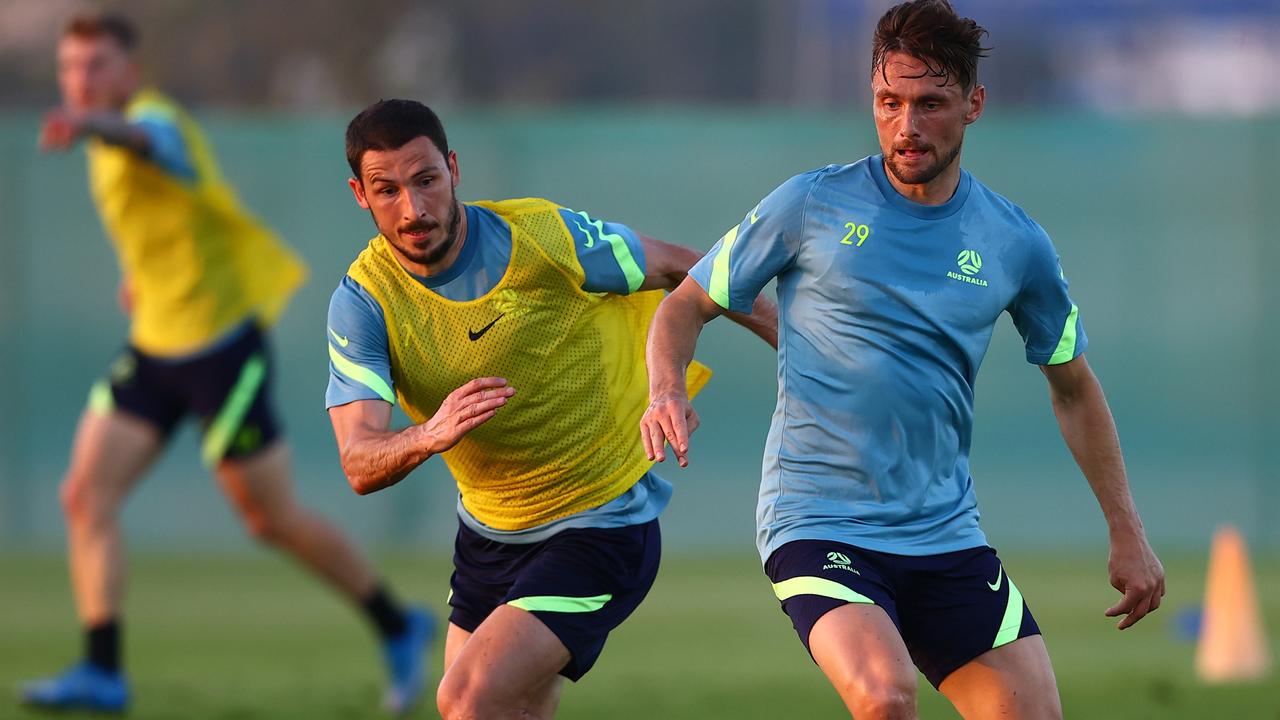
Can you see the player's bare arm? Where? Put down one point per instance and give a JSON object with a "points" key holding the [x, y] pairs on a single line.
{"points": [[1090, 433], [375, 457], [667, 265], [670, 417], [62, 128]]}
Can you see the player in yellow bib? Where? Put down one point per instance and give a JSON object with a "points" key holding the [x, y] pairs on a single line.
{"points": [[202, 279], [512, 333]]}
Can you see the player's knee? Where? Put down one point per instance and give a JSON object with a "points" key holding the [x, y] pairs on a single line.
{"points": [[465, 696], [264, 527], [82, 503], [877, 698]]}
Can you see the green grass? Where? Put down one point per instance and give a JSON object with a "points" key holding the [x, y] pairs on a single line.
{"points": [[248, 636]]}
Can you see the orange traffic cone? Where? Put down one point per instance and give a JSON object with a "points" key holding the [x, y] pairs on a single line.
{"points": [[1233, 644]]}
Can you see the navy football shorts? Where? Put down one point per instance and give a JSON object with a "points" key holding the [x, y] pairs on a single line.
{"points": [[581, 583], [949, 608], [225, 388]]}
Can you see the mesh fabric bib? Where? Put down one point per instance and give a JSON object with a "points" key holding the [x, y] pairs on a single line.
{"points": [[569, 439]]}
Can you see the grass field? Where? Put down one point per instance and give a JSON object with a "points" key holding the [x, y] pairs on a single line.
{"points": [[248, 636]]}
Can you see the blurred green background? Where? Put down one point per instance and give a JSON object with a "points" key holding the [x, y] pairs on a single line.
{"points": [[1164, 228]]}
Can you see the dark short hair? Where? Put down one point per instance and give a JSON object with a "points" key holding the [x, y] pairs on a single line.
{"points": [[931, 32], [391, 124], [96, 25]]}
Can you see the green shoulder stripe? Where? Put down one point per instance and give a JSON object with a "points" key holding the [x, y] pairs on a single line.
{"points": [[362, 375], [719, 290], [1066, 349]]}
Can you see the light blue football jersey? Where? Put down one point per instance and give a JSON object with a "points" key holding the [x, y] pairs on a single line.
{"points": [[886, 308]]}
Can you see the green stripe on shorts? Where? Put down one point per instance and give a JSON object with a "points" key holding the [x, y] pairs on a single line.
{"points": [[806, 585], [227, 422], [561, 603], [101, 399], [1011, 624]]}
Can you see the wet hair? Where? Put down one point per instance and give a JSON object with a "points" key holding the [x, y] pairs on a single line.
{"points": [[389, 125], [930, 31], [97, 25]]}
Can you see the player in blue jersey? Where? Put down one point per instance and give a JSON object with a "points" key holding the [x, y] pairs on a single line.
{"points": [[891, 274]]}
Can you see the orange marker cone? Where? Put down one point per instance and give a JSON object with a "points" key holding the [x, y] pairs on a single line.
{"points": [[1233, 644]]}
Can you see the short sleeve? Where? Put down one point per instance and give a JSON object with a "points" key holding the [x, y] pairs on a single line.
{"points": [[168, 148], [1043, 312], [359, 359], [751, 254], [610, 254]]}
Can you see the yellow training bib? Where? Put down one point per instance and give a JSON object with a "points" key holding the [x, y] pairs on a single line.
{"points": [[195, 261], [569, 439]]}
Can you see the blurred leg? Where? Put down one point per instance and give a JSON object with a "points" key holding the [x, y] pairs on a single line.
{"points": [[259, 487], [111, 452], [860, 651], [1012, 681]]}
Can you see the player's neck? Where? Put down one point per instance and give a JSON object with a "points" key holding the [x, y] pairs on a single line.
{"points": [[935, 192]]}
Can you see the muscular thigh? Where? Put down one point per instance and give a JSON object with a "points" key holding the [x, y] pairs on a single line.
{"points": [[1012, 681]]}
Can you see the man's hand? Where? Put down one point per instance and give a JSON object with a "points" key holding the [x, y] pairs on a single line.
{"points": [[670, 419], [465, 409], [1135, 571], [59, 131]]}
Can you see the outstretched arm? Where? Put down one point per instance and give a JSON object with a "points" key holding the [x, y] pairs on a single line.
{"points": [[667, 265], [670, 418], [61, 129], [1090, 433], [375, 457]]}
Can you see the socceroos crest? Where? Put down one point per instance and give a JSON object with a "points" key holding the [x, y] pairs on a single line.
{"points": [[970, 263]]}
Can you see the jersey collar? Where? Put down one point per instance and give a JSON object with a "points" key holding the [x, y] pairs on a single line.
{"points": [[465, 257], [875, 164]]}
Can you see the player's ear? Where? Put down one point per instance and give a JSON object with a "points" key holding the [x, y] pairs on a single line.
{"points": [[453, 168], [977, 100], [357, 189]]}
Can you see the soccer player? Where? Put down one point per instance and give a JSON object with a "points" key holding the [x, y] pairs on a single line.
{"points": [[512, 334], [891, 273], [202, 279]]}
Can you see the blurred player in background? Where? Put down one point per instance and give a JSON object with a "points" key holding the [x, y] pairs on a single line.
{"points": [[202, 279], [460, 310], [892, 273]]}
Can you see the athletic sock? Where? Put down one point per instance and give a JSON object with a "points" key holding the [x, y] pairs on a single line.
{"points": [[102, 645], [386, 614]]}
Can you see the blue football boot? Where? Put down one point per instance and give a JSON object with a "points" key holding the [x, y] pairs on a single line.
{"points": [[406, 656], [81, 687]]}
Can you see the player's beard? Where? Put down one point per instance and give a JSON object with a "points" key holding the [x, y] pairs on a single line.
{"points": [[923, 175], [434, 255]]}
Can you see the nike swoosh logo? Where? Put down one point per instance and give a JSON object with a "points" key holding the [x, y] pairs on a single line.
{"points": [[995, 587], [341, 340], [753, 214], [477, 334]]}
